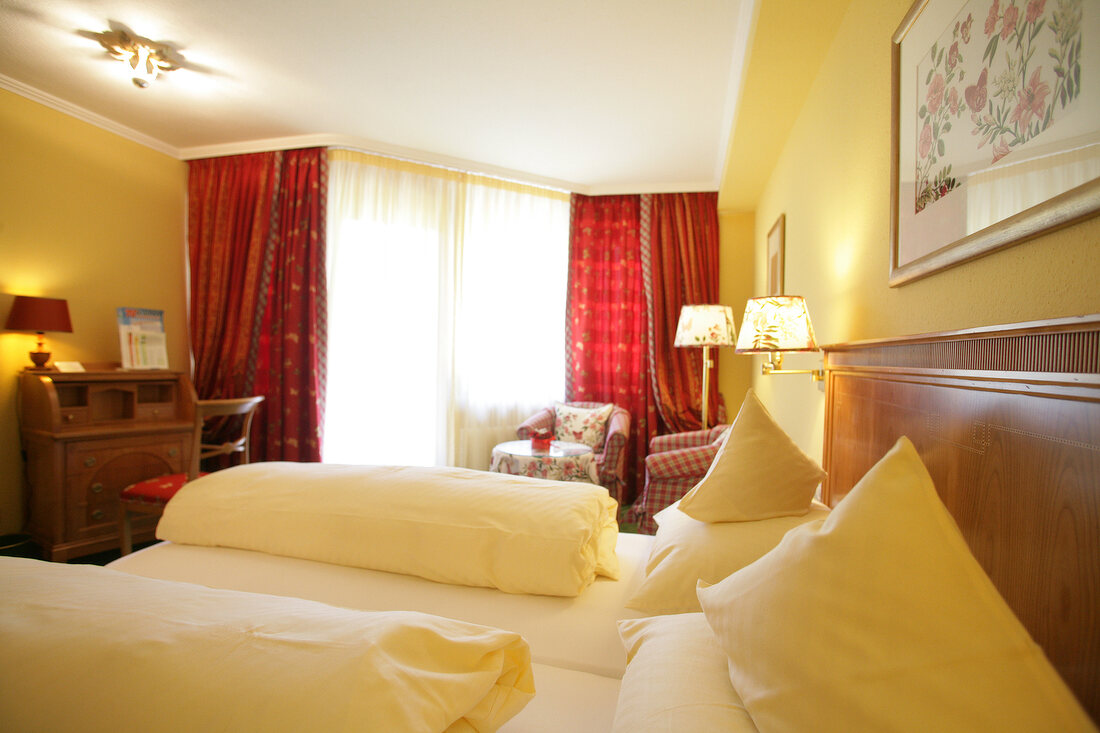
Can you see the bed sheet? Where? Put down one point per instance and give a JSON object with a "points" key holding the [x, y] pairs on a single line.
{"points": [[569, 633], [567, 700]]}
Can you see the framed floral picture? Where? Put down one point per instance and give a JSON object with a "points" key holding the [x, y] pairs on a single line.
{"points": [[777, 236], [996, 127]]}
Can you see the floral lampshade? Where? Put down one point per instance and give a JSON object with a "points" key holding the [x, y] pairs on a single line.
{"points": [[705, 325], [776, 323]]}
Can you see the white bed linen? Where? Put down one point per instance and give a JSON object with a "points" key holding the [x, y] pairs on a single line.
{"points": [[570, 633], [142, 654], [451, 525], [567, 701]]}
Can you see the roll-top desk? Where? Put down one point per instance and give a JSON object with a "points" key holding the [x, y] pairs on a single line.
{"points": [[87, 435]]}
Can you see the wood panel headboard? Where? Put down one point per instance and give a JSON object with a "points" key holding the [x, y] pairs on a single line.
{"points": [[1007, 420]]}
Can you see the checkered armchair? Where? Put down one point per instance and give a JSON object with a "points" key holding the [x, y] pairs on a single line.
{"points": [[610, 457], [674, 465]]}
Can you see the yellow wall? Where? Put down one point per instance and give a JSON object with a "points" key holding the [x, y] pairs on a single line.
{"points": [[91, 217], [832, 180], [735, 284]]}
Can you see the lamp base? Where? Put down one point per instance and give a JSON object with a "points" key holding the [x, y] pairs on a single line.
{"points": [[40, 358]]}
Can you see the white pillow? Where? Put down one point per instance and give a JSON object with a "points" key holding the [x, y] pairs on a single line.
{"points": [[450, 525], [676, 679], [758, 473], [879, 618], [581, 424], [686, 550]]}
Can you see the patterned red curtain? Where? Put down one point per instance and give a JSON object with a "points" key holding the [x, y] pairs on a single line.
{"points": [[257, 251], [680, 234], [606, 320]]}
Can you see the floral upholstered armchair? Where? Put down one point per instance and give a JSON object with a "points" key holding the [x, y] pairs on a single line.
{"points": [[609, 445], [675, 463]]}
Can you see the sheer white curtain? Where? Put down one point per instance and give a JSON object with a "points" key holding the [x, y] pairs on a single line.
{"points": [[509, 357], [446, 311]]}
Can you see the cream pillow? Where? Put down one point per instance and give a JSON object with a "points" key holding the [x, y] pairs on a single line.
{"points": [[757, 473], [676, 679], [447, 524], [686, 550], [581, 424], [879, 618]]}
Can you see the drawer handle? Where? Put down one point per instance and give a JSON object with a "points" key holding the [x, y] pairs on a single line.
{"points": [[97, 514], [89, 461], [173, 452], [97, 488], [156, 413], [69, 417]]}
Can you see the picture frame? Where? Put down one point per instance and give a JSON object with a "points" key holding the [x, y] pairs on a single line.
{"points": [[776, 252], [995, 133]]}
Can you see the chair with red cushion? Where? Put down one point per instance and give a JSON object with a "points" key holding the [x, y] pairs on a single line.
{"points": [[151, 495]]}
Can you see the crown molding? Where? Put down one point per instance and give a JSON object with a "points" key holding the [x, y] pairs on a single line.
{"points": [[68, 108], [330, 140]]}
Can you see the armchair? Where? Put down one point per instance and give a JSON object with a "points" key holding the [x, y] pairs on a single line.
{"points": [[675, 463], [610, 456]]}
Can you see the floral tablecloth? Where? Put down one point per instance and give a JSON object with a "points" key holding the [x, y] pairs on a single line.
{"points": [[562, 462]]}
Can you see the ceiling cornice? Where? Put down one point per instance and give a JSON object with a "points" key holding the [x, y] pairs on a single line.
{"points": [[48, 100], [340, 141]]}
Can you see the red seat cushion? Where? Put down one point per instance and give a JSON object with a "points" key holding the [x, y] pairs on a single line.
{"points": [[156, 490]]}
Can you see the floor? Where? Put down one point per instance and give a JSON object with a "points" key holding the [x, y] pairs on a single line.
{"points": [[21, 546]]}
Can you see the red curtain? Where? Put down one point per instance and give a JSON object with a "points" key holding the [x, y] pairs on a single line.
{"points": [[257, 252], [633, 262], [681, 235], [606, 320]]}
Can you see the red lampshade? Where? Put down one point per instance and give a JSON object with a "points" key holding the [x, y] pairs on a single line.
{"points": [[29, 313]]}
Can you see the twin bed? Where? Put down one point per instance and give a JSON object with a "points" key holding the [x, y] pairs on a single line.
{"points": [[1006, 420]]}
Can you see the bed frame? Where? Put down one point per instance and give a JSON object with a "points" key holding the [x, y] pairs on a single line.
{"points": [[1007, 420]]}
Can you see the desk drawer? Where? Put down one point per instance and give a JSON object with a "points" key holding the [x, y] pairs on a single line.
{"points": [[97, 470]]}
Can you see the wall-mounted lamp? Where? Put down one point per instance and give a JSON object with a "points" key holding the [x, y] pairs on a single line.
{"points": [[773, 325], [29, 313], [706, 326]]}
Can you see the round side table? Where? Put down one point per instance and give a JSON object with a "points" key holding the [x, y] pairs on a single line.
{"points": [[563, 461]]}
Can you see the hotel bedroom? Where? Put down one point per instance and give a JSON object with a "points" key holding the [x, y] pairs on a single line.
{"points": [[99, 217]]}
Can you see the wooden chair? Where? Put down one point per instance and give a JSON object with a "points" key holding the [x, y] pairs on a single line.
{"points": [[151, 495]]}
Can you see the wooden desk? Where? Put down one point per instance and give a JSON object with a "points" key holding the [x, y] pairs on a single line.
{"points": [[86, 436]]}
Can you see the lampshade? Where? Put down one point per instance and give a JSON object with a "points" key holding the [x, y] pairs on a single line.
{"points": [[29, 313], [705, 325], [776, 323]]}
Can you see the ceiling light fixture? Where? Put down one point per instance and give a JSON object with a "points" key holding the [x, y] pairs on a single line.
{"points": [[145, 58]]}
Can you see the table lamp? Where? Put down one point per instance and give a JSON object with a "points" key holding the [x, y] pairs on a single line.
{"points": [[775, 324], [706, 326], [30, 313]]}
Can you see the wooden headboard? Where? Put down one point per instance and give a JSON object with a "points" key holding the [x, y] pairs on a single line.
{"points": [[1007, 420]]}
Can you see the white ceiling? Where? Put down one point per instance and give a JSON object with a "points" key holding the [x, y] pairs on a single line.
{"points": [[594, 96]]}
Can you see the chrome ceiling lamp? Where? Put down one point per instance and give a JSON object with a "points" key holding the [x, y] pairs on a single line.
{"points": [[145, 58]]}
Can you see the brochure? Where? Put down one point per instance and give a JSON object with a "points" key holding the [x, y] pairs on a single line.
{"points": [[141, 338]]}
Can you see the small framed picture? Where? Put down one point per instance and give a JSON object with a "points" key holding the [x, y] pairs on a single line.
{"points": [[776, 238]]}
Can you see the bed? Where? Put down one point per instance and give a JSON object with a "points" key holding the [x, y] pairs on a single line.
{"points": [[1002, 422]]}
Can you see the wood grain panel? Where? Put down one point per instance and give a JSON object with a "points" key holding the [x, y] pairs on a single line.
{"points": [[1007, 420]]}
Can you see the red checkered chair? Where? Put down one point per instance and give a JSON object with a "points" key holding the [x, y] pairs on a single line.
{"points": [[151, 495], [610, 457], [675, 463]]}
